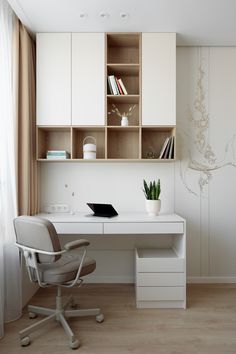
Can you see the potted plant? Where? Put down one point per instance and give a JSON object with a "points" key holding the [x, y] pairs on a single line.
{"points": [[152, 193]]}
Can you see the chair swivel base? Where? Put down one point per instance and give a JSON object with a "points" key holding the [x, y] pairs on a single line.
{"points": [[59, 314]]}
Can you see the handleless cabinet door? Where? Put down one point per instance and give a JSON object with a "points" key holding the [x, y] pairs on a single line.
{"points": [[88, 68], [53, 79], [158, 79]]}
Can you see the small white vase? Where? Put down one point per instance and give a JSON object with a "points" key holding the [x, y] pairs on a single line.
{"points": [[124, 121], [153, 207]]}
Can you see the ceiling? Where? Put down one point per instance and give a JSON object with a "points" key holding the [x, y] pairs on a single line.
{"points": [[197, 22]]}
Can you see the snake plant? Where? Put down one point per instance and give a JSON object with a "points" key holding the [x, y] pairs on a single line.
{"points": [[153, 190]]}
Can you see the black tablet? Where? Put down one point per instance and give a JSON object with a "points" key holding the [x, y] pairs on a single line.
{"points": [[103, 210]]}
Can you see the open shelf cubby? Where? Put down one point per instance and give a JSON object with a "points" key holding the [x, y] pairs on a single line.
{"points": [[123, 48], [80, 133], [53, 138], [123, 143], [123, 104], [153, 139]]}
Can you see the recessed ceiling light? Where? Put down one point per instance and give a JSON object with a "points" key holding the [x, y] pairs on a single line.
{"points": [[124, 15], [83, 15], [104, 15]]}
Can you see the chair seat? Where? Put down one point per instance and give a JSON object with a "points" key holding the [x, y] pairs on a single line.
{"points": [[65, 269]]}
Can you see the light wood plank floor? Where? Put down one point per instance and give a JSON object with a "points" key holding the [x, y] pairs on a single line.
{"points": [[207, 326]]}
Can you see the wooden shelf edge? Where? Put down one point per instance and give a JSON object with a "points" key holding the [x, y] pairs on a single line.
{"points": [[107, 160]]}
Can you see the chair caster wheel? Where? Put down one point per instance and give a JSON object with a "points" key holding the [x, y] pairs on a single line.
{"points": [[100, 318], [74, 344], [32, 315], [25, 341]]}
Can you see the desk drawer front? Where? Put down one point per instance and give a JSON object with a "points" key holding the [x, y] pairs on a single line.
{"points": [[156, 265], [143, 228], [160, 279], [79, 228], [155, 293]]}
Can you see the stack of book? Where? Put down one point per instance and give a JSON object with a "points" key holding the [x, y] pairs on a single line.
{"points": [[57, 154], [167, 150], [116, 86]]}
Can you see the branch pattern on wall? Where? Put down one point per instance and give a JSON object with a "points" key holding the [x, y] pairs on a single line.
{"points": [[196, 153]]}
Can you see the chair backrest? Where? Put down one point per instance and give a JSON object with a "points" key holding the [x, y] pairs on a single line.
{"points": [[39, 234]]}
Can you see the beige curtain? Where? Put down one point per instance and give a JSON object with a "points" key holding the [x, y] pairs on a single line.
{"points": [[24, 92]]}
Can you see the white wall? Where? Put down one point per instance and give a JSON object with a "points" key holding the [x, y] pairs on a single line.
{"points": [[205, 176], [199, 186]]}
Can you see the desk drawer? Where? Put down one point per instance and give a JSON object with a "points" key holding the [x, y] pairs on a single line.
{"points": [[159, 265], [160, 279], [78, 228], [144, 228], [155, 293]]}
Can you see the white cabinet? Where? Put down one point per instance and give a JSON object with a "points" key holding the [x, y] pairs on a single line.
{"points": [[53, 79], [88, 78], [159, 79]]}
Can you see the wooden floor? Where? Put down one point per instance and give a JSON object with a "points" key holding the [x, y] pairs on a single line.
{"points": [[207, 326]]}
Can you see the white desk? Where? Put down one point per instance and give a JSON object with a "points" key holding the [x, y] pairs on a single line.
{"points": [[160, 271]]}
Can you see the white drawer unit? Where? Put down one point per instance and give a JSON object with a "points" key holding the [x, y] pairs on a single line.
{"points": [[161, 277]]}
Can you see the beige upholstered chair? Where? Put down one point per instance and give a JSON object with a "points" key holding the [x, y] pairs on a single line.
{"points": [[48, 265]]}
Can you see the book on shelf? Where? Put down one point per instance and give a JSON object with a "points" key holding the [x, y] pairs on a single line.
{"points": [[116, 86], [119, 87], [167, 150], [122, 87], [164, 146], [171, 149], [57, 154], [109, 86]]}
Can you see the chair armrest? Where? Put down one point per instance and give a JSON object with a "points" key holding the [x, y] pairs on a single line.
{"points": [[76, 244]]}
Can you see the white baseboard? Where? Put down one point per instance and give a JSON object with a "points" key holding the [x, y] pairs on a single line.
{"points": [[211, 280]]}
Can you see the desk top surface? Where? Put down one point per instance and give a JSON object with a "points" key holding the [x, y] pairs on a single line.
{"points": [[123, 217]]}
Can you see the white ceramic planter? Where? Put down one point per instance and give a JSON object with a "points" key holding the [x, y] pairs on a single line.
{"points": [[153, 207], [124, 121]]}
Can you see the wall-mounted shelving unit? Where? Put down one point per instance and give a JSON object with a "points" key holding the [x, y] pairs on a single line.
{"points": [[140, 140]]}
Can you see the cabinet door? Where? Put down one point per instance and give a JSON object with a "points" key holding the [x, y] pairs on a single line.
{"points": [[88, 63], [158, 79], [53, 79]]}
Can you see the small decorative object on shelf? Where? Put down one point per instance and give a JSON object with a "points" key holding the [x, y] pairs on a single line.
{"points": [[57, 155], [124, 116], [150, 153], [152, 193], [89, 148]]}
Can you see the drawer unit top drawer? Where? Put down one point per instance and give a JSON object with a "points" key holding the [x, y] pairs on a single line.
{"points": [[160, 279], [144, 228], [159, 260], [78, 228]]}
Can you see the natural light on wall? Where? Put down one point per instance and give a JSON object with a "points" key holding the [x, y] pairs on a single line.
{"points": [[10, 279]]}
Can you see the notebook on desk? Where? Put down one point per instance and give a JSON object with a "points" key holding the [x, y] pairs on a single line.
{"points": [[102, 210]]}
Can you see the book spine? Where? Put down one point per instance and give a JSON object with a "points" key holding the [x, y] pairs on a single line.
{"points": [[119, 87], [122, 86], [109, 85], [113, 84]]}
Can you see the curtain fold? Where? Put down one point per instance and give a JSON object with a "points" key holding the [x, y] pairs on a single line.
{"points": [[24, 110], [10, 274]]}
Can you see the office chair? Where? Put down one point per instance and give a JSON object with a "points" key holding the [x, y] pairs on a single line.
{"points": [[48, 265]]}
